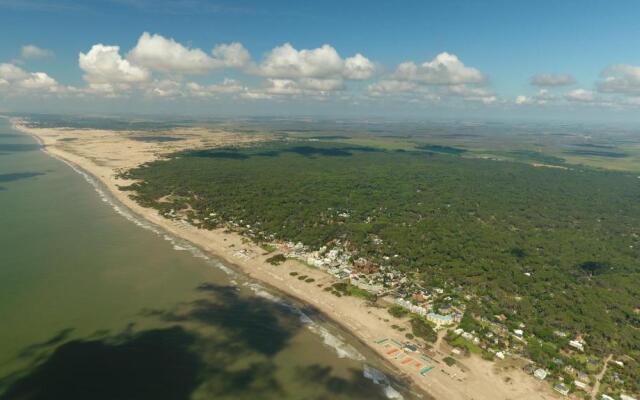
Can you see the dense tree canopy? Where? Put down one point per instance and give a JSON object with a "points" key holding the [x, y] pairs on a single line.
{"points": [[555, 249]]}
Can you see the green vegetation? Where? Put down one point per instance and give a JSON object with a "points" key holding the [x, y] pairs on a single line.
{"points": [[348, 289], [436, 148], [398, 311], [449, 360], [277, 259], [422, 329], [554, 249], [463, 343]]}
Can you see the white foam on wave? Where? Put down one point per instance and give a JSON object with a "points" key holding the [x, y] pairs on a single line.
{"points": [[381, 379], [335, 342], [178, 244]]}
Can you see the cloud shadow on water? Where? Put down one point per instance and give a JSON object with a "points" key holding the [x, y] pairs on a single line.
{"points": [[154, 364], [18, 147], [16, 176], [222, 345]]}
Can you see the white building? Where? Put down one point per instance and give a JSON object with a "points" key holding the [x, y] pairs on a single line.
{"points": [[540, 373], [580, 385], [576, 345]]}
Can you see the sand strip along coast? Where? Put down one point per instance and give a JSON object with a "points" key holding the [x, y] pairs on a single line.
{"points": [[104, 153]]}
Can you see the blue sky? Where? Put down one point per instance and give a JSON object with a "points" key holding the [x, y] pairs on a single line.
{"points": [[586, 55]]}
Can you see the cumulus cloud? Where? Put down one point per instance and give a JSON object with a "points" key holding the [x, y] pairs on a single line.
{"points": [[358, 67], [164, 88], [286, 62], [10, 72], [232, 55], [580, 95], [227, 86], [444, 69], [103, 65], [389, 86], [14, 77], [162, 54], [552, 80], [31, 51], [308, 86], [470, 93], [542, 97], [621, 79]]}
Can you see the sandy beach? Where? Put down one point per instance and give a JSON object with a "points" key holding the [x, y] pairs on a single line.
{"points": [[104, 153]]}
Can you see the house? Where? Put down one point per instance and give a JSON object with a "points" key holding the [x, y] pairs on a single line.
{"points": [[467, 336], [518, 332], [562, 389], [580, 385], [440, 319], [500, 355], [576, 345], [605, 397], [625, 397], [540, 373]]}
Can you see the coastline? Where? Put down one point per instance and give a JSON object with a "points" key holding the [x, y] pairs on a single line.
{"points": [[478, 380]]}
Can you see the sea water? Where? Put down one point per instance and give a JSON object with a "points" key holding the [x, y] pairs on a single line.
{"points": [[98, 303]]}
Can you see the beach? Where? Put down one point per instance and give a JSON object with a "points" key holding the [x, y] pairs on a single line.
{"points": [[105, 153]]}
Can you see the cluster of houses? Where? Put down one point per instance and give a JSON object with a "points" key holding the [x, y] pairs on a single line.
{"points": [[386, 281]]}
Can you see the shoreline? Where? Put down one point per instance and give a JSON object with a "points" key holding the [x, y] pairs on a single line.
{"points": [[364, 323]]}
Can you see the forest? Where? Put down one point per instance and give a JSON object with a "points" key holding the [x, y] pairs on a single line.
{"points": [[554, 249]]}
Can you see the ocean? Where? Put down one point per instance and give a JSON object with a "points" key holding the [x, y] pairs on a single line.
{"points": [[96, 303]]}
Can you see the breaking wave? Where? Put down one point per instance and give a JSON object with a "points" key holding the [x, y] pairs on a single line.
{"points": [[178, 244], [335, 342]]}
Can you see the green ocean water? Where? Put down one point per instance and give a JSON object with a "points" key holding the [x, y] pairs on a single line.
{"points": [[94, 305]]}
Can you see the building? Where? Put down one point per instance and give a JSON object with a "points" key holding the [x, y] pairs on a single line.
{"points": [[605, 397], [626, 397], [562, 389], [440, 320], [581, 385], [540, 373], [576, 345]]}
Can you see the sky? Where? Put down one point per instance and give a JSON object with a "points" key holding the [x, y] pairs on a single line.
{"points": [[560, 59]]}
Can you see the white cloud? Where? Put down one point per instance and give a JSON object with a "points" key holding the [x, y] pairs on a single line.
{"points": [[286, 62], [227, 86], [21, 81], [157, 52], [165, 88], [389, 86], [232, 55], [31, 51], [470, 93], [10, 72], [621, 79], [552, 80], [162, 54], [542, 97], [580, 95], [39, 81], [358, 67], [103, 65], [445, 69]]}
